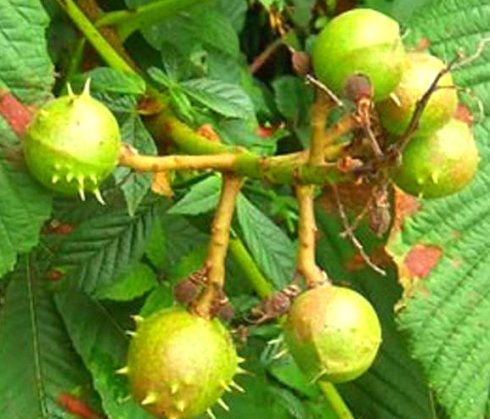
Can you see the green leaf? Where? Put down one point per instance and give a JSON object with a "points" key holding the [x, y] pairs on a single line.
{"points": [[225, 99], [200, 24], [25, 67], [118, 90], [448, 316], [202, 197], [24, 204], [293, 99], [135, 186], [269, 245], [38, 364], [137, 281], [394, 387], [100, 340], [103, 247]]}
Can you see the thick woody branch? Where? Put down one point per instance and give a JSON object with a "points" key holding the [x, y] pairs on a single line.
{"points": [[218, 245]]}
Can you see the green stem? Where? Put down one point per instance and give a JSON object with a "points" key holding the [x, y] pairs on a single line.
{"points": [[128, 21], [250, 269], [335, 400], [104, 48]]}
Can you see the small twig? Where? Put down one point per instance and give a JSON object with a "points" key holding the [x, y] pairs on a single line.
{"points": [[262, 58], [306, 261], [477, 54], [218, 245], [355, 241], [321, 86], [421, 105]]}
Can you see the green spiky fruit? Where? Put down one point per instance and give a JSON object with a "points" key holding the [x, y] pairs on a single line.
{"points": [[440, 164], [361, 41], [333, 333], [420, 71], [179, 364], [72, 144]]}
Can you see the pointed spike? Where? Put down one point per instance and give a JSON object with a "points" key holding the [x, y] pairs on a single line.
{"points": [[137, 318], [149, 399], [222, 403], [86, 88], [123, 370], [98, 196], [395, 99], [181, 405], [94, 179], [174, 388], [69, 177], [225, 386], [55, 179], [69, 90], [237, 387], [81, 191], [210, 413], [130, 333], [240, 370], [280, 354], [240, 359]]}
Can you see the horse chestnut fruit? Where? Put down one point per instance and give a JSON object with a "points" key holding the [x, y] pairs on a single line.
{"points": [[333, 333], [420, 71], [440, 164], [179, 364], [361, 41], [72, 144]]}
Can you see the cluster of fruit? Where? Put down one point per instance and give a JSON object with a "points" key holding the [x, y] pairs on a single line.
{"points": [[180, 364], [441, 158]]}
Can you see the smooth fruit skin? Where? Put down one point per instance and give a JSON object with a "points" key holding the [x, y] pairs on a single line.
{"points": [[361, 41], [420, 71], [180, 364], [333, 333], [72, 144], [440, 164]]}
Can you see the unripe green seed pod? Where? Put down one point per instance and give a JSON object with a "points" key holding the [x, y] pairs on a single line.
{"points": [[333, 333], [361, 41], [72, 144], [440, 164], [420, 71], [180, 364]]}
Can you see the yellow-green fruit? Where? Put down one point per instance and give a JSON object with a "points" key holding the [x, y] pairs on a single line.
{"points": [[72, 144], [361, 41], [440, 164], [420, 71], [333, 333], [179, 364]]}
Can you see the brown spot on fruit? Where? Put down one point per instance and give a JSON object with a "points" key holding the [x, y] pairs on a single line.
{"points": [[464, 114], [422, 259]]}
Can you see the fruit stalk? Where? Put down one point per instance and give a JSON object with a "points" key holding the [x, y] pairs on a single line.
{"points": [[218, 244], [306, 262], [319, 113]]}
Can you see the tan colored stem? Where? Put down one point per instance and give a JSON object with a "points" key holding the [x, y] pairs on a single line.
{"points": [[220, 162], [319, 113], [218, 244], [306, 260]]}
